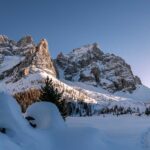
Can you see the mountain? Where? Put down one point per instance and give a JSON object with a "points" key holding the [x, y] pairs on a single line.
{"points": [[24, 67], [86, 74], [90, 65]]}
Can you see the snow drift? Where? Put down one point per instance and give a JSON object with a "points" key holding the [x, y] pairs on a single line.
{"points": [[51, 133]]}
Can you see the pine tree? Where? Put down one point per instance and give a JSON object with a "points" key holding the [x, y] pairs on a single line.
{"points": [[147, 111], [50, 94]]}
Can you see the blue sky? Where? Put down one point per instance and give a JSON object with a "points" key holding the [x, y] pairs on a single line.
{"points": [[119, 26]]}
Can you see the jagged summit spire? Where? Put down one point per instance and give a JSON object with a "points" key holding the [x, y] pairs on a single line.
{"points": [[43, 44], [3, 38]]}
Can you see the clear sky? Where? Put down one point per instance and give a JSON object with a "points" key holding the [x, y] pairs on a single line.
{"points": [[119, 26]]}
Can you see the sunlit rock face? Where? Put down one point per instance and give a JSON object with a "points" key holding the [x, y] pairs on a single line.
{"points": [[24, 66], [89, 64], [19, 59]]}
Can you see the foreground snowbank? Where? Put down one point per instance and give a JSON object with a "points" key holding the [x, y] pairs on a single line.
{"points": [[125, 132], [46, 115], [50, 133], [80, 133]]}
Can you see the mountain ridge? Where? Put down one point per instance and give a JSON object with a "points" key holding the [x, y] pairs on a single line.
{"points": [[24, 66], [89, 64]]}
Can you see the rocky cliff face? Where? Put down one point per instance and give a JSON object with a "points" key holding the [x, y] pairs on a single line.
{"points": [[24, 67], [87, 64], [19, 59], [90, 65]]}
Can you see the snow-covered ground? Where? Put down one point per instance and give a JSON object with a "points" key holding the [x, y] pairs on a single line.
{"points": [[126, 132], [117, 133], [50, 133]]}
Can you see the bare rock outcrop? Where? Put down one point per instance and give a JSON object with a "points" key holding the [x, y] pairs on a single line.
{"points": [[28, 59]]}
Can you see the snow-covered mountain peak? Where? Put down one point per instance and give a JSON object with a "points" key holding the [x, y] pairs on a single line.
{"points": [[90, 65], [85, 49], [86, 52], [24, 66]]}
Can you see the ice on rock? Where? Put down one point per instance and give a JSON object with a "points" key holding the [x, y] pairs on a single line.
{"points": [[46, 115]]}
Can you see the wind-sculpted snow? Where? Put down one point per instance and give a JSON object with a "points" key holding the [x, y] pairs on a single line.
{"points": [[50, 133], [46, 115], [145, 139], [118, 133]]}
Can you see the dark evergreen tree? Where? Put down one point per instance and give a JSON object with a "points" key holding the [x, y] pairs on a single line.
{"points": [[3, 130], [51, 94], [147, 111], [129, 110]]}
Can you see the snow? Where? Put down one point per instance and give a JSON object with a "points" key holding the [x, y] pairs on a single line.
{"points": [[46, 115], [9, 62], [78, 133], [95, 95], [142, 93], [50, 133], [17, 128], [11, 109], [19, 134], [117, 133], [78, 53], [36, 80], [74, 90]]}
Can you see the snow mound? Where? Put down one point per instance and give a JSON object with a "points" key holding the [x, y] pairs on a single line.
{"points": [[46, 115], [10, 112], [17, 131]]}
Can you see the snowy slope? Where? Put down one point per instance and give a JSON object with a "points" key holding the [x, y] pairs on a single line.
{"points": [[36, 80], [25, 66], [9, 62], [105, 99], [78, 133], [142, 93], [90, 65], [118, 133], [111, 73], [51, 132]]}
